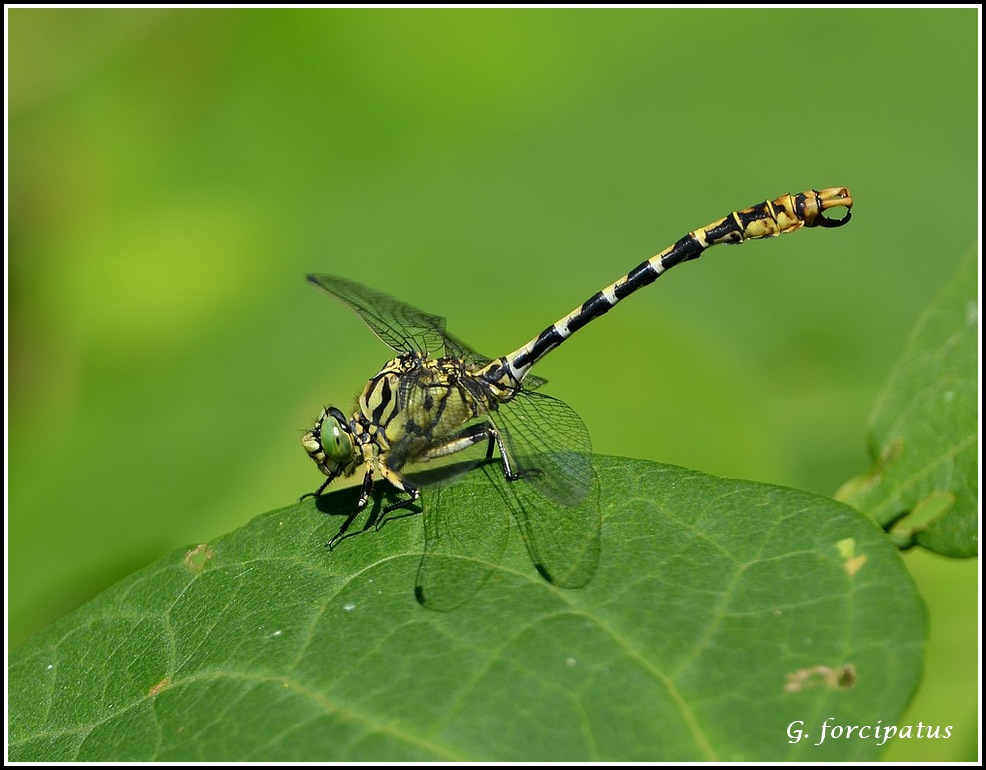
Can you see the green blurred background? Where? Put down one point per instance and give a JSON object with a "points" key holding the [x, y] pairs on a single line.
{"points": [[173, 174]]}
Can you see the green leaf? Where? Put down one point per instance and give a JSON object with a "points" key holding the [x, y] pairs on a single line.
{"points": [[721, 613], [923, 430]]}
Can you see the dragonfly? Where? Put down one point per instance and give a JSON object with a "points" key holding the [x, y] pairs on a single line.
{"points": [[439, 400]]}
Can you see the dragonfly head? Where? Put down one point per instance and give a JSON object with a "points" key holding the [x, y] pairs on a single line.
{"points": [[330, 444]]}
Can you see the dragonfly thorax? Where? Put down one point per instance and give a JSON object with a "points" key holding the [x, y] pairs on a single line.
{"points": [[415, 400], [407, 413]]}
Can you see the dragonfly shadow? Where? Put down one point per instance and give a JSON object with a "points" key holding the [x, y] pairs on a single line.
{"points": [[343, 502]]}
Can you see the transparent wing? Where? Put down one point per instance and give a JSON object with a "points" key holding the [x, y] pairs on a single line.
{"points": [[402, 327], [464, 539], [563, 540], [465, 530], [458, 349], [548, 444], [556, 502]]}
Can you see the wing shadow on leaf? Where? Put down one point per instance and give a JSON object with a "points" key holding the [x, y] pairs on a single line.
{"points": [[465, 536]]}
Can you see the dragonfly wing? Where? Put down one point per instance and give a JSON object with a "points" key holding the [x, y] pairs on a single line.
{"points": [[548, 444], [465, 528], [402, 327], [458, 349], [562, 540], [556, 502], [464, 539]]}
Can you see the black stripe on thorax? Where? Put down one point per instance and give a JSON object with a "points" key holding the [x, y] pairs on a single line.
{"points": [[381, 387]]}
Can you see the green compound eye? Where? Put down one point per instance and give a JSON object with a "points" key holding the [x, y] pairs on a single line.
{"points": [[336, 442]]}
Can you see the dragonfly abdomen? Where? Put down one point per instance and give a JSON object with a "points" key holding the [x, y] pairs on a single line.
{"points": [[764, 220]]}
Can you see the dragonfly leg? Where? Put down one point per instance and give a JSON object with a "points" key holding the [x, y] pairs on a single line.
{"points": [[318, 491], [474, 434], [342, 530], [405, 486], [462, 440], [412, 492], [413, 495], [364, 496], [509, 472]]}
